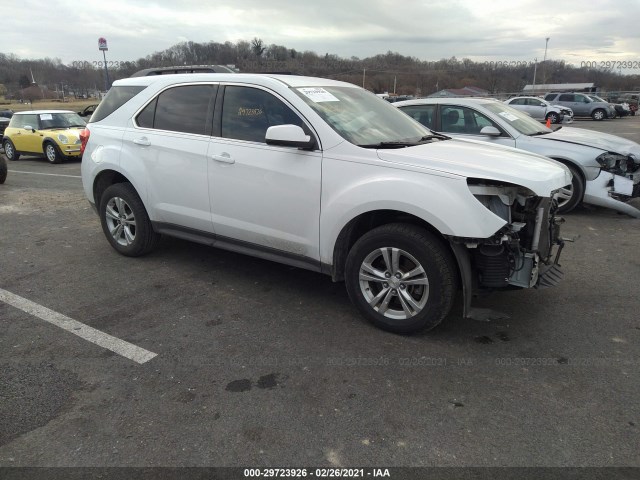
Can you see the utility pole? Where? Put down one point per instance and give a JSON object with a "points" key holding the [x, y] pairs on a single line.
{"points": [[394, 85], [364, 72], [535, 67]]}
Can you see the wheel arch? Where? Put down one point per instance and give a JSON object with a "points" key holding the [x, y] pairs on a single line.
{"points": [[366, 221], [104, 180]]}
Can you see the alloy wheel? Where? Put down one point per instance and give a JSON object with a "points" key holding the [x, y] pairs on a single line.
{"points": [[394, 283], [121, 221]]}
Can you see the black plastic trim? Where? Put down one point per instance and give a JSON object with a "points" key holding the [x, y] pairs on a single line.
{"points": [[239, 246]]}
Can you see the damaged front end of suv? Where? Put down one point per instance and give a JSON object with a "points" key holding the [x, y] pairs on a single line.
{"points": [[524, 253]]}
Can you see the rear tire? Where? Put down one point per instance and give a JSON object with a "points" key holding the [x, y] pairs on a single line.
{"points": [[401, 278], [125, 221], [10, 151]]}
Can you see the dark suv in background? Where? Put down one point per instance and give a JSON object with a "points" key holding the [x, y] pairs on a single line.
{"points": [[582, 105], [5, 117]]}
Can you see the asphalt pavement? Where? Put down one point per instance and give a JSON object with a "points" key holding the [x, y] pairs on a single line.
{"points": [[258, 364]]}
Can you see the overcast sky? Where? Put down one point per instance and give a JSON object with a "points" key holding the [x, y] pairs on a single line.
{"points": [[498, 30]]}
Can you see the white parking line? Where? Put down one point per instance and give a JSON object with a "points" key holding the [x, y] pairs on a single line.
{"points": [[48, 174], [126, 349]]}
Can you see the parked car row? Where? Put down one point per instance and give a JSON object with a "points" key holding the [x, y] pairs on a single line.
{"points": [[405, 203]]}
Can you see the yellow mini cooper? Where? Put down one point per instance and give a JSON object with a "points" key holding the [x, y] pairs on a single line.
{"points": [[52, 133]]}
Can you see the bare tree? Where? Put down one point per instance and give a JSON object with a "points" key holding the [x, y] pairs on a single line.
{"points": [[257, 47]]}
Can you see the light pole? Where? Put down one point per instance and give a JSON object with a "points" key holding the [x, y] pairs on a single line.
{"points": [[544, 65]]}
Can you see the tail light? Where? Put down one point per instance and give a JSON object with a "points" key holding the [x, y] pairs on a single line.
{"points": [[84, 138]]}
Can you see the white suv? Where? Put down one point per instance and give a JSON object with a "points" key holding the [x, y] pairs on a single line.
{"points": [[322, 175]]}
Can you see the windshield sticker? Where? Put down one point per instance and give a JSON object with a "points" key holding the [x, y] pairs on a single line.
{"points": [[509, 116], [318, 95], [46, 116]]}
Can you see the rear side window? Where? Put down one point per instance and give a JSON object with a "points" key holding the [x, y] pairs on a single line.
{"points": [[187, 109], [567, 97], [116, 97], [20, 121]]}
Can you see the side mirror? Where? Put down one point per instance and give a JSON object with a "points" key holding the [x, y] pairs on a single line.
{"points": [[288, 136], [490, 131], [30, 128]]}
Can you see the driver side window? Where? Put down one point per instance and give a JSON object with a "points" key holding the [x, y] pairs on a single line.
{"points": [[457, 119], [248, 112]]}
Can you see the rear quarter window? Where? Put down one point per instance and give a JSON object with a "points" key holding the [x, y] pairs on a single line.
{"points": [[115, 98]]}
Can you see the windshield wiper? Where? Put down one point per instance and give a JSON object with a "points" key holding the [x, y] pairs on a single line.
{"points": [[403, 144], [538, 133], [435, 135]]}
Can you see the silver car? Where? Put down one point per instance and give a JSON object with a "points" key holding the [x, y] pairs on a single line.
{"points": [[541, 110], [605, 168], [583, 105]]}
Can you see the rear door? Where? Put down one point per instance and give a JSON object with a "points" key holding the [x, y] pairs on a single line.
{"points": [[168, 146], [536, 109]]}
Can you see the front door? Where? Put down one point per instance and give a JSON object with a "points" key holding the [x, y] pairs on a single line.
{"points": [[263, 197]]}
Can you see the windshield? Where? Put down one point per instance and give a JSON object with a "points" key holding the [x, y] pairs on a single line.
{"points": [[595, 98], [362, 118], [60, 120], [517, 119]]}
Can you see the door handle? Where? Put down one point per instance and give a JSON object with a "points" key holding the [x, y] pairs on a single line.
{"points": [[144, 141], [224, 158]]}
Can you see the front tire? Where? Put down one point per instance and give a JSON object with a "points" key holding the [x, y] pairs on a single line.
{"points": [[125, 222], [401, 278], [570, 196], [599, 114], [51, 153], [10, 150], [553, 117]]}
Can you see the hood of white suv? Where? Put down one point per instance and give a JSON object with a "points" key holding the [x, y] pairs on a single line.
{"points": [[590, 138], [470, 158]]}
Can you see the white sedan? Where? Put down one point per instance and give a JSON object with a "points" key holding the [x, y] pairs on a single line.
{"points": [[605, 168]]}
